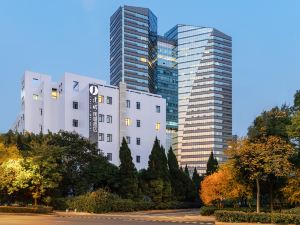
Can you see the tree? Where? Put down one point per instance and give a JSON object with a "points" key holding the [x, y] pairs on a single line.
{"points": [[197, 179], [127, 173], [256, 161], [297, 100], [158, 175], [223, 185], [292, 189], [212, 164]]}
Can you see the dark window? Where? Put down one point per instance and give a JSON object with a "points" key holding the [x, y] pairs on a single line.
{"points": [[75, 123], [109, 138], [138, 105], [101, 118], [101, 137], [109, 100], [75, 105], [75, 85], [158, 109], [138, 123], [138, 159], [128, 139], [109, 119], [138, 141], [109, 156]]}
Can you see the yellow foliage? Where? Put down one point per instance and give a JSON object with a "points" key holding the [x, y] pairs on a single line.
{"points": [[292, 190], [7, 153], [222, 185]]}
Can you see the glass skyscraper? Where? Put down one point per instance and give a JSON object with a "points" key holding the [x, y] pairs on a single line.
{"points": [[133, 48], [166, 78], [204, 94]]}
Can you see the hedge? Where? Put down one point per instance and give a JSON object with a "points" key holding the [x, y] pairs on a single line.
{"points": [[278, 218], [15, 209], [210, 210]]}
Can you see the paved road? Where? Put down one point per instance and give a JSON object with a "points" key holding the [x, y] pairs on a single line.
{"points": [[138, 218]]}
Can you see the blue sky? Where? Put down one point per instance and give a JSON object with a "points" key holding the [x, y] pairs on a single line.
{"points": [[56, 36]]}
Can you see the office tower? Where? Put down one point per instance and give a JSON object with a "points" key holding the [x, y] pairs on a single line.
{"points": [[103, 113], [204, 94], [133, 48], [166, 84]]}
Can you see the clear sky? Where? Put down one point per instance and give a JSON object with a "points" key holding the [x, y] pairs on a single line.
{"points": [[56, 36]]}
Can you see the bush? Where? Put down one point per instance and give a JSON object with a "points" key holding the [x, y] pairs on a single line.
{"points": [[279, 218], [292, 211], [15, 209], [210, 210]]}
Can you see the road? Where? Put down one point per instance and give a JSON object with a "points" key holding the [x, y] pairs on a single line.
{"points": [[137, 218]]}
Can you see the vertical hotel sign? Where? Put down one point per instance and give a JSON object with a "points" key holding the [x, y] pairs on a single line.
{"points": [[93, 113]]}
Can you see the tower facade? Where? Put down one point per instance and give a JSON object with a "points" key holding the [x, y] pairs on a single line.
{"points": [[133, 48], [204, 94]]}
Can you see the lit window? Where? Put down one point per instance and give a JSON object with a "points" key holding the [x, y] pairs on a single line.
{"points": [[75, 123], [75, 85], [143, 59], [75, 105], [100, 98], [109, 100], [138, 141], [138, 159], [157, 126], [54, 93], [101, 118], [101, 137], [158, 109], [138, 105], [128, 139], [109, 137], [128, 103], [35, 97], [128, 121], [109, 119], [109, 156], [138, 123]]}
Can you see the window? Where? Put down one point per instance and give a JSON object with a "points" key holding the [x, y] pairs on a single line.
{"points": [[138, 141], [138, 123], [143, 59], [109, 156], [138, 105], [158, 109], [109, 100], [54, 93], [128, 121], [41, 111], [109, 119], [75, 85], [100, 98], [101, 137], [128, 103], [128, 139], [35, 97], [101, 118], [138, 159], [109, 137], [75, 123], [157, 126], [75, 105]]}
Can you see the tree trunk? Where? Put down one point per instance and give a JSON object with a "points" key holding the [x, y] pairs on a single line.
{"points": [[35, 201], [271, 197], [257, 196]]}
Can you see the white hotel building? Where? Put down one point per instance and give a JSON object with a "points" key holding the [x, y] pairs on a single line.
{"points": [[103, 113]]}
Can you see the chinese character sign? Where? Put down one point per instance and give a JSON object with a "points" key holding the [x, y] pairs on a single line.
{"points": [[93, 113]]}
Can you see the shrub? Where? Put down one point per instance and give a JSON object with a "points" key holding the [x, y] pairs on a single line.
{"points": [[292, 211], [279, 218], [210, 210], [15, 209]]}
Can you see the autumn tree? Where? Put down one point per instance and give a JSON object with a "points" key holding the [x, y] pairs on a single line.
{"points": [[256, 161], [223, 185]]}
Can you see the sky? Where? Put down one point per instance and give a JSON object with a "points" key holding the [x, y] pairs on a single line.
{"points": [[57, 36]]}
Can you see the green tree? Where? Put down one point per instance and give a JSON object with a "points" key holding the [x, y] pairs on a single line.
{"points": [[197, 179], [128, 173], [212, 164], [176, 175], [297, 100], [159, 185]]}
